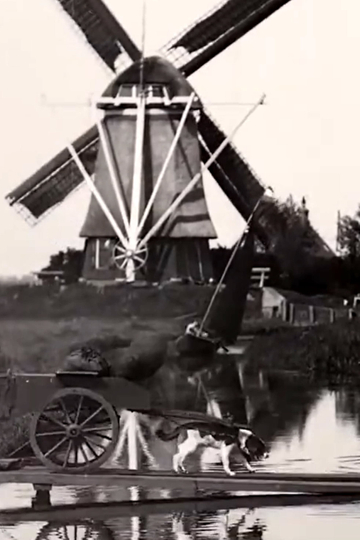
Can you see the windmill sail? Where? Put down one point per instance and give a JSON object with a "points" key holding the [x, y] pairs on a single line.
{"points": [[217, 30], [51, 184], [55, 180], [244, 189], [100, 28]]}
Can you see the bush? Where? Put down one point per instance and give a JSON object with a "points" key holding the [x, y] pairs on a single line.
{"points": [[326, 351]]}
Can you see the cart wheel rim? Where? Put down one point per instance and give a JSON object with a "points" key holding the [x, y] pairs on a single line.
{"points": [[77, 430]]}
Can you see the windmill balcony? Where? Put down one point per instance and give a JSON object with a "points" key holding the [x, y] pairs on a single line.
{"points": [[155, 95]]}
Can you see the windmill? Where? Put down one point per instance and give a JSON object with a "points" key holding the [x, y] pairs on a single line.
{"points": [[147, 148]]}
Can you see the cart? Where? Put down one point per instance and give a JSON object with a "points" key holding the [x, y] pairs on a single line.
{"points": [[75, 415]]}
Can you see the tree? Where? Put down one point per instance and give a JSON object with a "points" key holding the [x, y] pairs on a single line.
{"points": [[70, 262], [349, 236], [349, 244]]}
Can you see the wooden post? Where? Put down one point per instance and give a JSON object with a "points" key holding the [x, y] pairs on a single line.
{"points": [[332, 315], [291, 313], [132, 441], [311, 315], [42, 498]]}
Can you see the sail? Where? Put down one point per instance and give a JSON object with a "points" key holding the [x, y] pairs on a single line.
{"points": [[227, 313]]}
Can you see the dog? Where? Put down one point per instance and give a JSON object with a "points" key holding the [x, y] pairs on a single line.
{"points": [[194, 435]]}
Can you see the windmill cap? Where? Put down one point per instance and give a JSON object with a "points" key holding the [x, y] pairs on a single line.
{"points": [[156, 70]]}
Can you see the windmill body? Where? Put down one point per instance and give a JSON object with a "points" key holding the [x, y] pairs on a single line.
{"points": [[180, 248], [146, 148]]}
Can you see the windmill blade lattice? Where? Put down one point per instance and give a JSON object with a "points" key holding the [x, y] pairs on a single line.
{"points": [[101, 30], [56, 180], [216, 30]]}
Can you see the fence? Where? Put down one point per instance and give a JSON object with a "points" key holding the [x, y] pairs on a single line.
{"points": [[305, 315]]}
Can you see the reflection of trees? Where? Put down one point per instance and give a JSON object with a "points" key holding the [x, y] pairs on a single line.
{"points": [[273, 403], [170, 388], [222, 384], [290, 400]]}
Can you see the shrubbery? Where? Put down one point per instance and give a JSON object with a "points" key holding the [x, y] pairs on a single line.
{"points": [[324, 351]]}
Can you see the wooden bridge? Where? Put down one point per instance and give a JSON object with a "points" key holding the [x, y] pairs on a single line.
{"points": [[269, 482], [242, 490]]}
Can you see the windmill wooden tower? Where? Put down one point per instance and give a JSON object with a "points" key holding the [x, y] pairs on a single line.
{"points": [[146, 149]]}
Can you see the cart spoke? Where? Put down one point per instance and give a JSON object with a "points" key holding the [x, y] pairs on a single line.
{"points": [[57, 445], [79, 409], [91, 416], [102, 435], [91, 448], [67, 455], [68, 419], [96, 444], [76, 449], [97, 428], [50, 433], [83, 453], [54, 420]]}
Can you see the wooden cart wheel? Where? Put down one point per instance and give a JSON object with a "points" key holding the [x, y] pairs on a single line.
{"points": [[77, 431]]}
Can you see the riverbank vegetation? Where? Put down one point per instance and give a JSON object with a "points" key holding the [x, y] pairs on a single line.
{"points": [[330, 352]]}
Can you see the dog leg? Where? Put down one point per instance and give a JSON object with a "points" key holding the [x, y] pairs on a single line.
{"points": [[185, 448], [247, 465], [225, 458]]}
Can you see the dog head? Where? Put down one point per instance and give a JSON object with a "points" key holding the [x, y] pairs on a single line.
{"points": [[254, 447]]}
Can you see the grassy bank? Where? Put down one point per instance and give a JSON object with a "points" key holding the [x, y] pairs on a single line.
{"points": [[330, 352], [50, 302]]}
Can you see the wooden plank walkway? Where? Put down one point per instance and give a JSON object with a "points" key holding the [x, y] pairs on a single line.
{"points": [[261, 482]]}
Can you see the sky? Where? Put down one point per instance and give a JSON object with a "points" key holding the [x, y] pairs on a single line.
{"points": [[304, 141]]}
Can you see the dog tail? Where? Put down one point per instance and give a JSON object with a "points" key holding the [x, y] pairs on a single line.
{"points": [[168, 435]]}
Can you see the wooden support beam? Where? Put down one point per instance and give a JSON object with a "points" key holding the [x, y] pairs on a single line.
{"points": [[242, 482]]}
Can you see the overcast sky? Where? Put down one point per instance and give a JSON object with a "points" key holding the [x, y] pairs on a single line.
{"points": [[304, 141]]}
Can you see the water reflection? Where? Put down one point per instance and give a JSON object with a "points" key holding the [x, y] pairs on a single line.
{"points": [[308, 428], [319, 520]]}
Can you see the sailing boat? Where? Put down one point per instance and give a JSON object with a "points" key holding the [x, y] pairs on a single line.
{"points": [[222, 321]]}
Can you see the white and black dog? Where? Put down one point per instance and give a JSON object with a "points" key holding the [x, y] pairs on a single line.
{"points": [[193, 435]]}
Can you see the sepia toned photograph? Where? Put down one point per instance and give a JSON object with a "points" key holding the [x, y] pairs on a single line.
{"points": [[179, 270]]}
